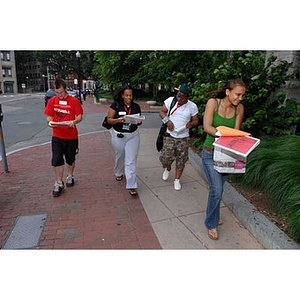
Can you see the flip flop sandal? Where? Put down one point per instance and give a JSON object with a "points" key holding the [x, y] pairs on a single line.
{"points": [[119, 178], [133, 193], [213, 234]]}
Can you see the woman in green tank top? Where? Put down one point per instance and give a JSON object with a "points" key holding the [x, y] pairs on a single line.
{"points": [[223, 109]]}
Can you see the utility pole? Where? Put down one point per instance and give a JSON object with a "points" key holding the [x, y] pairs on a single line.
{"points": [[79, 75], [2, 146]]}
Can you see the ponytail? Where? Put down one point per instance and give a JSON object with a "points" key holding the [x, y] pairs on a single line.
{"points": [[221, 93]]}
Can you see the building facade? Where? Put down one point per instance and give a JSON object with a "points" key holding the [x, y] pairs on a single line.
{"points": [[32, 76], [8, 74], [71, 78], [292, 87]]}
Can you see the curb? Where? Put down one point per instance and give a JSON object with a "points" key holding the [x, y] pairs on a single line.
{"points": [[266, 232]]}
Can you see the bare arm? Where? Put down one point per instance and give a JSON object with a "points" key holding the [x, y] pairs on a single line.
{"points": [[194, 122], [210, 109], [163, 111], [239, 116], [49, 118], [164, 115], [110, 117], [77, 120]]}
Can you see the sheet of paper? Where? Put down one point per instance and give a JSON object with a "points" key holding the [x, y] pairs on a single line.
{"points": [[227, 131], [65, 123], [134, 119]]}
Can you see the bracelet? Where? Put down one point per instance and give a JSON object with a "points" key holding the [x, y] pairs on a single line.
{"points": [[165, 119]]}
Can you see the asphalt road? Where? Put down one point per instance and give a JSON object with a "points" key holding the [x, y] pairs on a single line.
{"points": [[23, 117], [24, 123]]}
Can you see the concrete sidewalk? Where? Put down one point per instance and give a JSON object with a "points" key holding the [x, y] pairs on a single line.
{"points": [[99, 213], [177, 217]]}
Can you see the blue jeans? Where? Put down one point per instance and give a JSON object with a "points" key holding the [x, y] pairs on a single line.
{"points": [[216, 182]]}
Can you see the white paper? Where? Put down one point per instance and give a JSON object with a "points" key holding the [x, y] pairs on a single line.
{"points": [[134, 119], [180, 129], [64, 123]]}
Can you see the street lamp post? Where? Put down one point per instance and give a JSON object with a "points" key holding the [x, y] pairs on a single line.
{"points": [[79, 75], [44, 82], [27, 83], [2, 146], [48, 78]]}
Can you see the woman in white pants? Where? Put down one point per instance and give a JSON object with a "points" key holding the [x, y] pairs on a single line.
{"points": [[125, 138]]}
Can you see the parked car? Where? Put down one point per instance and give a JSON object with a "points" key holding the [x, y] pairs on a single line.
{"points": [[49, 94]]}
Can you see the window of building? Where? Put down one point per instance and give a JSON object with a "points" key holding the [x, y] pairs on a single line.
{"points": [[5, 55], [6, 72]]}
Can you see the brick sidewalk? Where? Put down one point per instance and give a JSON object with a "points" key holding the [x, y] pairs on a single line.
{"points": [[97, 213]]}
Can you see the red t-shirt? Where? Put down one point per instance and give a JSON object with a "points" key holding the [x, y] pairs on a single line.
{"points": [[64, 110]]}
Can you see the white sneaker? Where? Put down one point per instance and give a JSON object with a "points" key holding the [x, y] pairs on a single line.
{"points": [[70, 181], [58, 189], [177, 185], [165, 174]]}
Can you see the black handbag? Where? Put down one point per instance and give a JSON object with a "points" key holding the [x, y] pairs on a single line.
{"points": [[163, 129], [160, 137], [105, 124]]}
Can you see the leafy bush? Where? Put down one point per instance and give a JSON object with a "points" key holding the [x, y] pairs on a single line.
{"points": [[273, 168]]}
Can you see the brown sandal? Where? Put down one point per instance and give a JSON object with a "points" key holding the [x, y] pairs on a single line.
{"points": [[213, 234], [133, 193], [119, 178]]}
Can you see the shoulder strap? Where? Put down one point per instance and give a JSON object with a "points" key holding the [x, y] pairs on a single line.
{"points": [[172, 105]]}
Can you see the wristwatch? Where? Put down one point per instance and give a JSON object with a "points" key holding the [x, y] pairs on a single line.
{"points": [[165, 119]]}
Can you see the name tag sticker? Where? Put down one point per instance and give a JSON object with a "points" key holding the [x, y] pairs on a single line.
{"points": [[122, 113], [62, 102]]}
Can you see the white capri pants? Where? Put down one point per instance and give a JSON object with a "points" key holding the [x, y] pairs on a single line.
{"points": [[126, 152]]}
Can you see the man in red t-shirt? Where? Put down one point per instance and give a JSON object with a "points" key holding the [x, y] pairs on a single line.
{"points": [[63, 113]]}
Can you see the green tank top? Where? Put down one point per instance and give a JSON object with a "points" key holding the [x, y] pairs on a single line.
{"points": [[219, 121]]}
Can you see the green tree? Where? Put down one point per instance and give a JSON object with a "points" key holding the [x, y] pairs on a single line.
{"points": [[164, 68], [112, 68]]}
